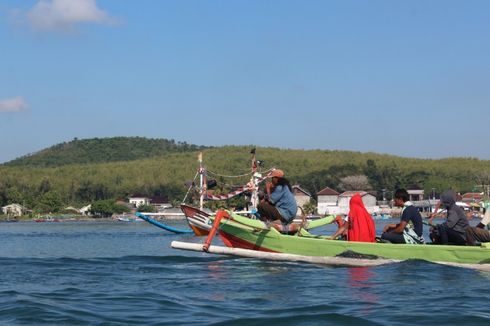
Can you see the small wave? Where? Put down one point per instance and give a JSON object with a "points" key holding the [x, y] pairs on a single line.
{"points": [[299, 319]]}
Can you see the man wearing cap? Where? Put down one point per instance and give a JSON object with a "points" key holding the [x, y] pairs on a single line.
{"points": [[279, 203]]}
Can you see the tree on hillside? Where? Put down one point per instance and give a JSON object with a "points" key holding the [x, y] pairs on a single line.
{"points": [[354, 182], [103, 208], [14, 196], [146, 208], [49, 202], [45, 186]]}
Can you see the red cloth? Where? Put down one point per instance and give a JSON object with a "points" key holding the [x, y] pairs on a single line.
{"points": [[361, 224]]}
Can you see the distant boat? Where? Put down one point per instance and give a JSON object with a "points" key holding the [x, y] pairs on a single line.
{"points": [[123, 219]]}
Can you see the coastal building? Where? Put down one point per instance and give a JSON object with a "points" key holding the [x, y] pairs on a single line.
{"points": [[302, 196], [368, 199], [14, 210], [85, 210], [138, 200], [327, 200], [415, 193]]}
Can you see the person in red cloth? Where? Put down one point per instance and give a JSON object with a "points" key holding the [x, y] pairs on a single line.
{"points": [[359, 225]]}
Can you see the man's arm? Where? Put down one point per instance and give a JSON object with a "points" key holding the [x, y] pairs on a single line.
{"points": [[400, 227], [340, 230]]}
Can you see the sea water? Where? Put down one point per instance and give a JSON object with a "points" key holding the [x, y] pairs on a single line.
{"points": [[109, 273]]}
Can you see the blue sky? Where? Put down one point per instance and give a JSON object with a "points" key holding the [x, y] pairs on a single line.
{"points": [[410, 78]]}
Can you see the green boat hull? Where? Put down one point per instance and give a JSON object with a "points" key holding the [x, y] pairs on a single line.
{"points": [[241, 232]]}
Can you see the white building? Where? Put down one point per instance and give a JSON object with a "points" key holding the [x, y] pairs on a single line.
{"points": [[327, 201], [138, 200], [85, 210], [368, 200], [13, 210], [302, 196], [415, 193]]}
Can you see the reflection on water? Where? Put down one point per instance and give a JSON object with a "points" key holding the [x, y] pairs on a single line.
{"points": [[361, 287]]}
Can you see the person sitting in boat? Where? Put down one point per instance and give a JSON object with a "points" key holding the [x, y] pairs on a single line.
{"points": [[279, 203], [454, 229], [479, 233], [410, 228], [359, 224]]}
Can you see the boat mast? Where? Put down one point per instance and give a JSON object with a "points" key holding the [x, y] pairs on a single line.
{"points": [[254, 180], [202, 182]]}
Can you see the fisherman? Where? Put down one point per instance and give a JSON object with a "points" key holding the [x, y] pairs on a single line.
{"points": [[359, 225], [410, 228], [279, 203], [479, 233], [454, 229], [485, 220]]}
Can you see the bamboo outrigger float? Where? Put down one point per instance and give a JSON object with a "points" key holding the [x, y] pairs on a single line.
{"points": [[261, 241]]}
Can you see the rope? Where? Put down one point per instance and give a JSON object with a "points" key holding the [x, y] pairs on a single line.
{"points": [[233, 193], [229, 176], [190, 187]]}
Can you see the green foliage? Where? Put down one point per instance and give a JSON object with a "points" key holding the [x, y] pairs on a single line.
{"points": [[310, 207], [166, 175], [101, 150], [103, 208], [121, 209], [146, 208], [49, 202]]}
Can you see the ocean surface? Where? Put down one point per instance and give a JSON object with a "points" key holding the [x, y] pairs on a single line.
{"points": [[120, 273]]}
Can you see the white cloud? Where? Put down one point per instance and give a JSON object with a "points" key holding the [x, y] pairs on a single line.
{"points": [[15, 104], [64, 14]]}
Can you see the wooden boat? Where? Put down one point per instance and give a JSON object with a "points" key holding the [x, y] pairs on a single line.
{"points": [[240, 232], [197, 219]]}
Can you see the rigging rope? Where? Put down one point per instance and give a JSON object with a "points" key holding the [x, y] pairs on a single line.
{"points": [[190, 187], [228, 176]]}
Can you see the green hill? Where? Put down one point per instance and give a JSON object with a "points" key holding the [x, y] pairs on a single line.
{"points": [[101, 150], [73, 174]]}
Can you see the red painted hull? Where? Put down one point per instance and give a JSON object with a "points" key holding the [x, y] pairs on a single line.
{"points": [[197, 219], [235, 242]]}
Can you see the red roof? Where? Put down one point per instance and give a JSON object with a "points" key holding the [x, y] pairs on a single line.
{"points": [[327, 192]]}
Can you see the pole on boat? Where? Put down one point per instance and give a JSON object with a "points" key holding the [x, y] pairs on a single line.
{"points": [[254, 183], [202, 182], [219, 215]]}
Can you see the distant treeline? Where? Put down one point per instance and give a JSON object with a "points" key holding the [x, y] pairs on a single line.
{"points": [[102, 150], [43, 183]]}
